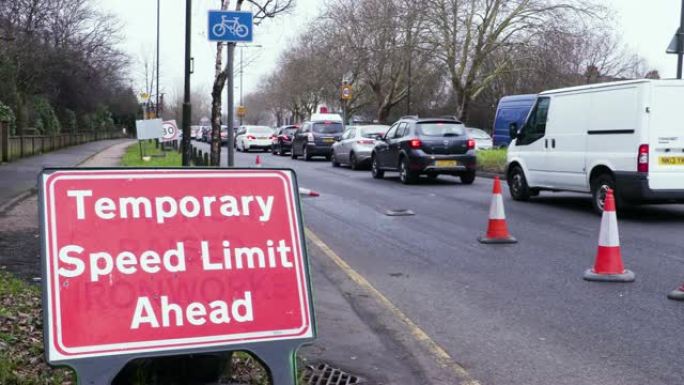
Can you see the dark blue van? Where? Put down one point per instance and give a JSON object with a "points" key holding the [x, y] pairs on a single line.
{"points": [[511, 109]]}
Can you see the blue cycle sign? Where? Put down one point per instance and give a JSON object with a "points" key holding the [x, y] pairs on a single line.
{"points": [[231, 26]]}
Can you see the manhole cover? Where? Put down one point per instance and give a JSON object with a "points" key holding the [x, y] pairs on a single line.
{"points": [[323, 374], [399, 213]]}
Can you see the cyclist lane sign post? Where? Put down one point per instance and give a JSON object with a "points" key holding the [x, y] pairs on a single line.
{"points": [[231, 27], [159, 262]]}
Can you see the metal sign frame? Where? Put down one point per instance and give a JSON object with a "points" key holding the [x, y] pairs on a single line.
{"points": [[279, 356]]}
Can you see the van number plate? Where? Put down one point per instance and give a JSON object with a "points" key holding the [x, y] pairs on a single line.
{"points": [[671, 160]]}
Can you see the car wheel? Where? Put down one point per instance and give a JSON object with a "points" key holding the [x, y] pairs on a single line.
{"points": [[353, 162], [305, 154], [333, 160], [599, 189], [292, 152], [405, 175], [375, 169], [517, 184], [468, 177]]}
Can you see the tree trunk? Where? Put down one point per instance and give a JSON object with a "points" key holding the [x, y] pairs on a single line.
{"points": [[216, 92]]}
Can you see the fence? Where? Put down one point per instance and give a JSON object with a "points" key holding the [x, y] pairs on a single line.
{"points": [[15, 147]]}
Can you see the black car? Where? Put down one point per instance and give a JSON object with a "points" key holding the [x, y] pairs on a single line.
{"points": [[427, 146], [315, 138], [282, 143]]}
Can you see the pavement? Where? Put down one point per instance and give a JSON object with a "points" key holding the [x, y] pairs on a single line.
{"points": [[507, 314], [347, 340], [20, 176]]}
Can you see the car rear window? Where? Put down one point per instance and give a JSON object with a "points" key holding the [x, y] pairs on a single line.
{"points": [[328, 128], [289, 131], [259, 130], [371, 131], [440, 129]]}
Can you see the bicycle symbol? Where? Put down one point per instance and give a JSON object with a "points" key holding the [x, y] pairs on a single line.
{"points": [[233, 26]]}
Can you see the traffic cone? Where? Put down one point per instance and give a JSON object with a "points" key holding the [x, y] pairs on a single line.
{"points": [[497, 230], [258, 161], [677, 294], [608, 265], [305, 192]]}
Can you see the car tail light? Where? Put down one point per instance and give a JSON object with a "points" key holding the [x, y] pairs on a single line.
{"points": [[366, 141], [415, 144], [310, 137], [272, 137], [471, 144], [250, 137], [642, 158]]}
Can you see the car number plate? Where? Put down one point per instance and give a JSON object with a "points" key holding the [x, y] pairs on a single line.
{"points": [[671, 160], [328, 140], [446, 163]]}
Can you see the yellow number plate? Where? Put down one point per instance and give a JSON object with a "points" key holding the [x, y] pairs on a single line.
{"points": [[446, 163], [671, 160], [328, 140]]}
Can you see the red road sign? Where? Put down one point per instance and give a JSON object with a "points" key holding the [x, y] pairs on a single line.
{"points": [[171, 131], [140, 261]]}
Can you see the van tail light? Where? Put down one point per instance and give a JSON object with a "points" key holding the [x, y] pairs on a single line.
{"points": [[471, 144], [250, 137], [415, 144], [642, 158], [310, 137]]}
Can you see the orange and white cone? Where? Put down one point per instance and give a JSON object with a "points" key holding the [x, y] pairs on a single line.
{"points": [[497, 229], [305, 192], [257, 162], [677, 294], [608, 265]]}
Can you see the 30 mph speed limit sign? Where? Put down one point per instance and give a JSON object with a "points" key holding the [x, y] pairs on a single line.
{"points": [[171, 132]]}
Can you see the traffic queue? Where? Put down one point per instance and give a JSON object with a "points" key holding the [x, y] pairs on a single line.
{"points": [[579, 139]]}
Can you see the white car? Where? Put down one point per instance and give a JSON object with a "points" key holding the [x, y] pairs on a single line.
{"points": [[625, 136], [482, 139], [253, 137]]}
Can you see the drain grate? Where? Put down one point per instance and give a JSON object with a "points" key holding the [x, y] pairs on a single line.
{"points": [[399, 213], [322, 374]]}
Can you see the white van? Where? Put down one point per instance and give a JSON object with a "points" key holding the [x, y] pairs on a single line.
{"points": [[628, 136]]}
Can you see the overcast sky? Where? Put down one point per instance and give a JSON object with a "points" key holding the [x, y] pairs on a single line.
{"points": [[645, 25]]}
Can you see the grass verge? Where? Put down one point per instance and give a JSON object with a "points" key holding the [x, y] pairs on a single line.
{"points": [[492, 160], [157, 157], [21, 337]]}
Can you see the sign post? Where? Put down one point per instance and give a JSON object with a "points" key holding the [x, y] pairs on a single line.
{"points": [[231, 27], [149, 263]]}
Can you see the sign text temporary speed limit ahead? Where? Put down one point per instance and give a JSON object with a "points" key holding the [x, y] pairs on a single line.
{"points": [[156, 262]]}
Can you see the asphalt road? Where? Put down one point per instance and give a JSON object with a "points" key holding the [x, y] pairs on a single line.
{"points": [[511, 314]]}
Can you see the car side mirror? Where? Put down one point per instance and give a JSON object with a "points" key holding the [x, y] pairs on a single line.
{"points": [[513, 130]]}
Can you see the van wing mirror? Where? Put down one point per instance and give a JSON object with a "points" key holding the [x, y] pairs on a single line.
{"points": [[513, 130]]}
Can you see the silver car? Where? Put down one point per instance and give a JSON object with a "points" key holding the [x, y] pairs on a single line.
{"points": [[482, 139], [355, 146]]}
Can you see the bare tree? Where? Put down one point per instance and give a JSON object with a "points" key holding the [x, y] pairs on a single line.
{"points": [[262, 9]]}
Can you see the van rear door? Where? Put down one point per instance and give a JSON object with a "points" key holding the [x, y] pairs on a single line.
{"points": [[666, 136]]}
